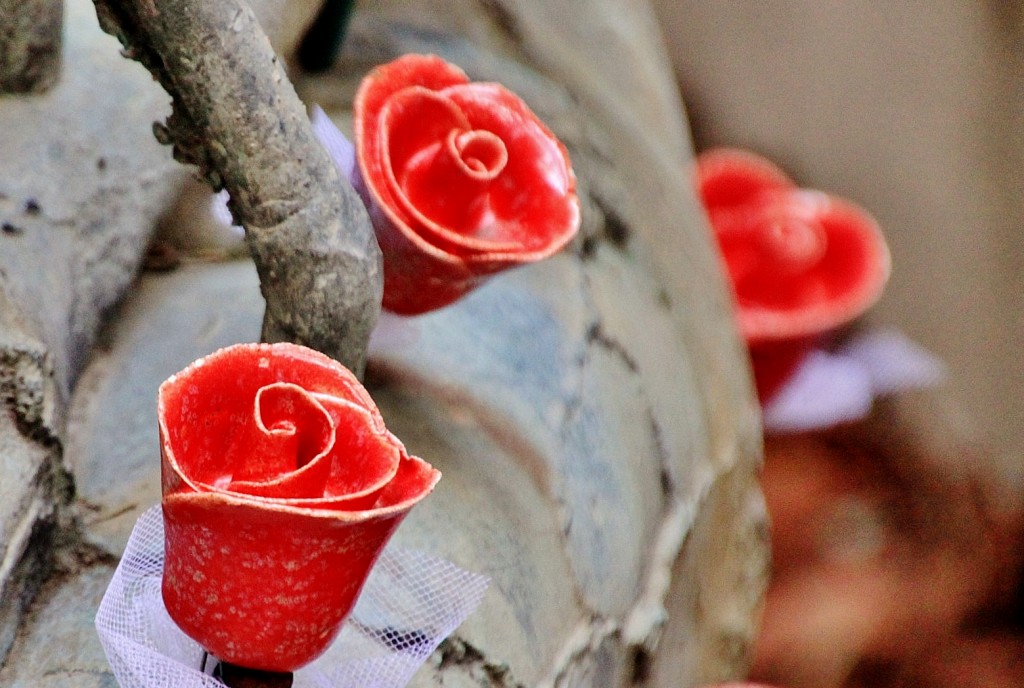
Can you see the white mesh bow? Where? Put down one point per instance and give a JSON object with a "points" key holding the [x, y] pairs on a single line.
{"points": [[410, 603], [832, 387]]}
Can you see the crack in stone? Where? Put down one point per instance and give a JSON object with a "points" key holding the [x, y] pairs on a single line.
{"points": [[74, 553], [596, 334], [642, 624], [456, 652], [78, 672], [573, 405], [616, 229], [647, 615], [584, 641], [23, 372], [668, 486]]}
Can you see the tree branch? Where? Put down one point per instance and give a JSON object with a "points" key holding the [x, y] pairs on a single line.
{"points": [[236, 116], [30, 44]]}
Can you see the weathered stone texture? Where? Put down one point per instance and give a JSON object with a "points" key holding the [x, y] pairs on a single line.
{"points": [[69, 656], [30, 44], [81, 185], [592, 415]]}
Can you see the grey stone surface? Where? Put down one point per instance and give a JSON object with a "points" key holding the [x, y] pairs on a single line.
{"points": [[170, 320], [58, 647], [25, 504], [30, 40], [81, 185], [592, 415]]}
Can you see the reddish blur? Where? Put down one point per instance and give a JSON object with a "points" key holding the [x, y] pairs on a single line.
{"points": [[893, 567], [801, 263]]}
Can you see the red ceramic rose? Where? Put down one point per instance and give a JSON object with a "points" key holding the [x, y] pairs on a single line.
{"points": [[461, 180], [281, 487], [801, 262]]}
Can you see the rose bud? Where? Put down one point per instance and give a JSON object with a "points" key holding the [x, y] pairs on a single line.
{"points": [[281, 486], [461, 180], [801, 263]]}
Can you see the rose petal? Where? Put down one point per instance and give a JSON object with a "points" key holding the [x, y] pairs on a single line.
{"points": [[445, 189], [414, 478], [261, 586], [367, 458], [801, 263], [424, 183], [410, 475], [526, 211], [343, 458], [529, 204], [843, 278], [729, 178], [430, 73], [218, 391]]}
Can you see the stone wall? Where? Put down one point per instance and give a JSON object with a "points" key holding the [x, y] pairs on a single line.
{"points": [[593, 415]]}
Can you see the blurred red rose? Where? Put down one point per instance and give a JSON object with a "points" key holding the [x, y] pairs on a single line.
{"points": [[801, 262]]}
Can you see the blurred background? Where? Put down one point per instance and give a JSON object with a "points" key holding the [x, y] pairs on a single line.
{"points": [[897, 541], [916, 111]]}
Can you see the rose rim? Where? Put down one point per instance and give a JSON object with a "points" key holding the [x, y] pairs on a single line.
{"points": [[279, 506], [719, 164]]}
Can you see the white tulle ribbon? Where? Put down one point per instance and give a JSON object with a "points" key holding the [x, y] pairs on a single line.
{"points": [[840, 386], [411, 602]]}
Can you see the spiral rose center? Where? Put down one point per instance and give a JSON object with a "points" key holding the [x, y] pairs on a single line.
{"points": [[447, 182], [793, 245], [288, 430], [481, 154]]}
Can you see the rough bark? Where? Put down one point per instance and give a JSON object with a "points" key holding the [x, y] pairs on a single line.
{"points": [[30, 44], [236, 116]]}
